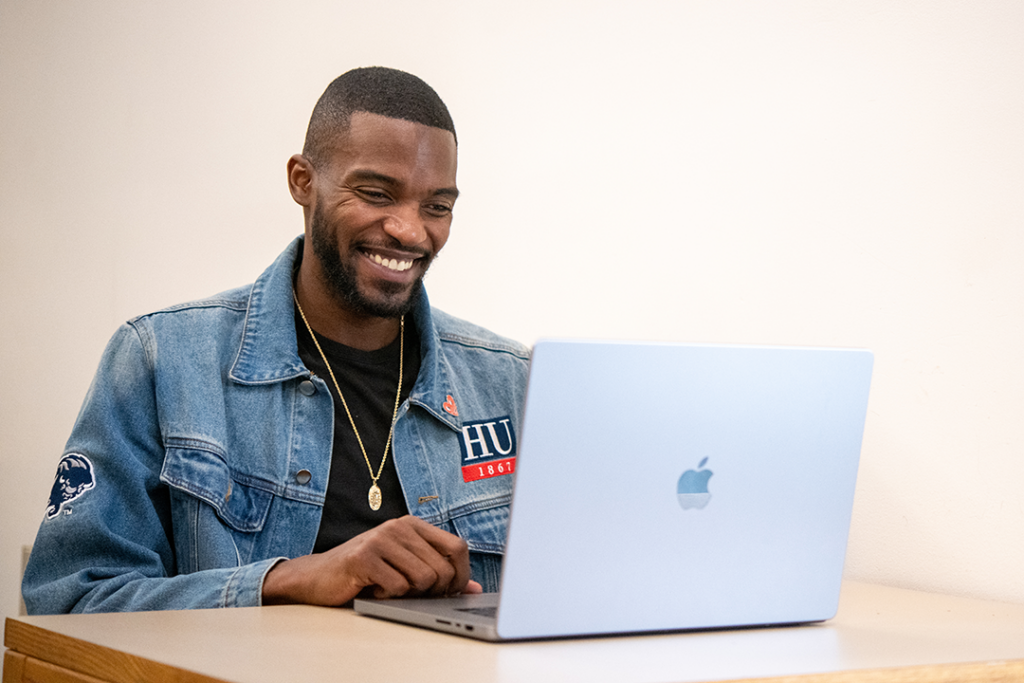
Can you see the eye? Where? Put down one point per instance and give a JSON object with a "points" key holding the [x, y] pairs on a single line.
{"points": [[438, 210], [374, 195]]}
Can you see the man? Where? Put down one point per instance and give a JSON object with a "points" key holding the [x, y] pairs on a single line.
{"points": [[319, 434]]}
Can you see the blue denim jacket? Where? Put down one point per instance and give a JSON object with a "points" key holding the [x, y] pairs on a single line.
{"points": [[200, 457]]}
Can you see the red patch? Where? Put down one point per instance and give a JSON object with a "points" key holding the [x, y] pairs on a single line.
{"points": [[486, 470], [449, 406]]}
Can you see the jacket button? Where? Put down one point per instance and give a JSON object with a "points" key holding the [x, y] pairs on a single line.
{"points": [[303, 477], [307, 388]]}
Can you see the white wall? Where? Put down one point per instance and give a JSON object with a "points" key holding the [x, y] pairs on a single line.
{"points": [[844, 173]]}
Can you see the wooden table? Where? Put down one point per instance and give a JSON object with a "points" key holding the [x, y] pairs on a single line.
{"points": [[880, 634]]}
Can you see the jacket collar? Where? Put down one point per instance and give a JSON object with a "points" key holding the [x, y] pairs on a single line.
{"points": [[433, 388], [268, 351]]}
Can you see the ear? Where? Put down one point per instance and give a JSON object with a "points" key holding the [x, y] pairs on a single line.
{"points": [[300, 180]]}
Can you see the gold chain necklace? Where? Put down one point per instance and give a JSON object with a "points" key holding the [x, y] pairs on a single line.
{"points": [[373, 496]]}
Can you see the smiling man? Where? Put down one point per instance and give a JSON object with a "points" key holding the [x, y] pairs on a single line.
{"points": [[321, 433]]}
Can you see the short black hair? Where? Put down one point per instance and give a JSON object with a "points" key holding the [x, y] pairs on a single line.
{"points": [[375, 90]]}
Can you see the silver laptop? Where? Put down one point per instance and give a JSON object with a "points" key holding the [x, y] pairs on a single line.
{"points": [[669, 487]]}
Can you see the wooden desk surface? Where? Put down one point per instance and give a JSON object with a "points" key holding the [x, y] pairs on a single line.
{"points": [[907, 634]]}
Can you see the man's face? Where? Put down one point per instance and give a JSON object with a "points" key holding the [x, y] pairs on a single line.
{"points": [[382, 212]]}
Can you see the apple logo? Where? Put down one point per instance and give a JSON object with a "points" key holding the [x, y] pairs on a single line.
{"points": [[693, 487]]}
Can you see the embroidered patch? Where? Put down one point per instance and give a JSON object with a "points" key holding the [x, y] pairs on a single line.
{"points": [[488, 448], [74, 477], [450, 407]]}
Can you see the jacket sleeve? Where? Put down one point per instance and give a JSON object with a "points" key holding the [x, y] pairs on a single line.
{"points": [[105, 543]]}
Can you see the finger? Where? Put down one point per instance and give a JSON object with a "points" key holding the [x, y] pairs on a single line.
{"points": [[417, 556], [364, 562], [331, 578], [424, 571], [394, 559], [428, 560], [388, 581], [451, 548]]}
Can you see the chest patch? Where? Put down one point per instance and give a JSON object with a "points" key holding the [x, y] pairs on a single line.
{"points": [[74, 477], [488, 448]]}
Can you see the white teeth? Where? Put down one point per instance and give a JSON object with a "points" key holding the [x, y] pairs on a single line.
{"points": [[392, 264]]}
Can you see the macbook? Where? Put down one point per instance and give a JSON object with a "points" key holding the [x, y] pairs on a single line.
{"points": [[663, 487]]}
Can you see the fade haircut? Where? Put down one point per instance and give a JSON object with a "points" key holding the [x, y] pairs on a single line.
{"points": [[375, 90]]}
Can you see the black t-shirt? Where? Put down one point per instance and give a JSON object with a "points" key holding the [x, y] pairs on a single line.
{"points": [[369, 380]]}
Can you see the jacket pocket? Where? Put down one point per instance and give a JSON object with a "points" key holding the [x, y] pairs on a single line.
{"points": [[201, 471], [483, 524]]}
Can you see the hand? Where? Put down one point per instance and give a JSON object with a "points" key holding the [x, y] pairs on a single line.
{"points": [[404, 556]]}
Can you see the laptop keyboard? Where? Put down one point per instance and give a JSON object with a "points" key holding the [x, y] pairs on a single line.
{"points": [[482, 611]]}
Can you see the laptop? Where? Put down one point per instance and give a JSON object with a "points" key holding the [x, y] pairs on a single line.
{"points": [[664, 487]]}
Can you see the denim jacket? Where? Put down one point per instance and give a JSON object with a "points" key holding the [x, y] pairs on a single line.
{"points": [[200, 457]]}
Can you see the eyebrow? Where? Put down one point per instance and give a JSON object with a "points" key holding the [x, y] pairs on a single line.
{"points": [[374, 176]]}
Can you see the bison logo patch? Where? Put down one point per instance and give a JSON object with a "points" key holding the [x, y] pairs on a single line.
{"points": [[74, 477]]}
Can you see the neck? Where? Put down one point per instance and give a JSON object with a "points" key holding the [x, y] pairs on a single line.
{"points": [[338, 323]]}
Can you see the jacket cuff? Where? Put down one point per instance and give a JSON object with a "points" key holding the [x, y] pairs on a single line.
{"points": [[245, 587]]}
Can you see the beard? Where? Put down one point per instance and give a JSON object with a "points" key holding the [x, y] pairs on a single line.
{"points": [[395, 299]]}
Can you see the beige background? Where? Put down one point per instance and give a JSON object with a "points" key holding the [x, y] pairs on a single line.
{"points": [[839, 173]]}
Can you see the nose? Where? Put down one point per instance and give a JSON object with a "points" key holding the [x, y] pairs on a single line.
{"points": [[406, 225]]}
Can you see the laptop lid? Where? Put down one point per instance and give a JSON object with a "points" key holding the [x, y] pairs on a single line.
{"points": [[681, 486]]}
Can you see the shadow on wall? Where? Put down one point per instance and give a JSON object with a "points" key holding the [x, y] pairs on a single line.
{"points": [[26, 550]]}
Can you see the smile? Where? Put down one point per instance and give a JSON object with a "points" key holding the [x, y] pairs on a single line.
{"points": [[390, 264]]}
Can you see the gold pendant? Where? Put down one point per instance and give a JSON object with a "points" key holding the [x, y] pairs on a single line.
{"points": [[374, 497]]}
